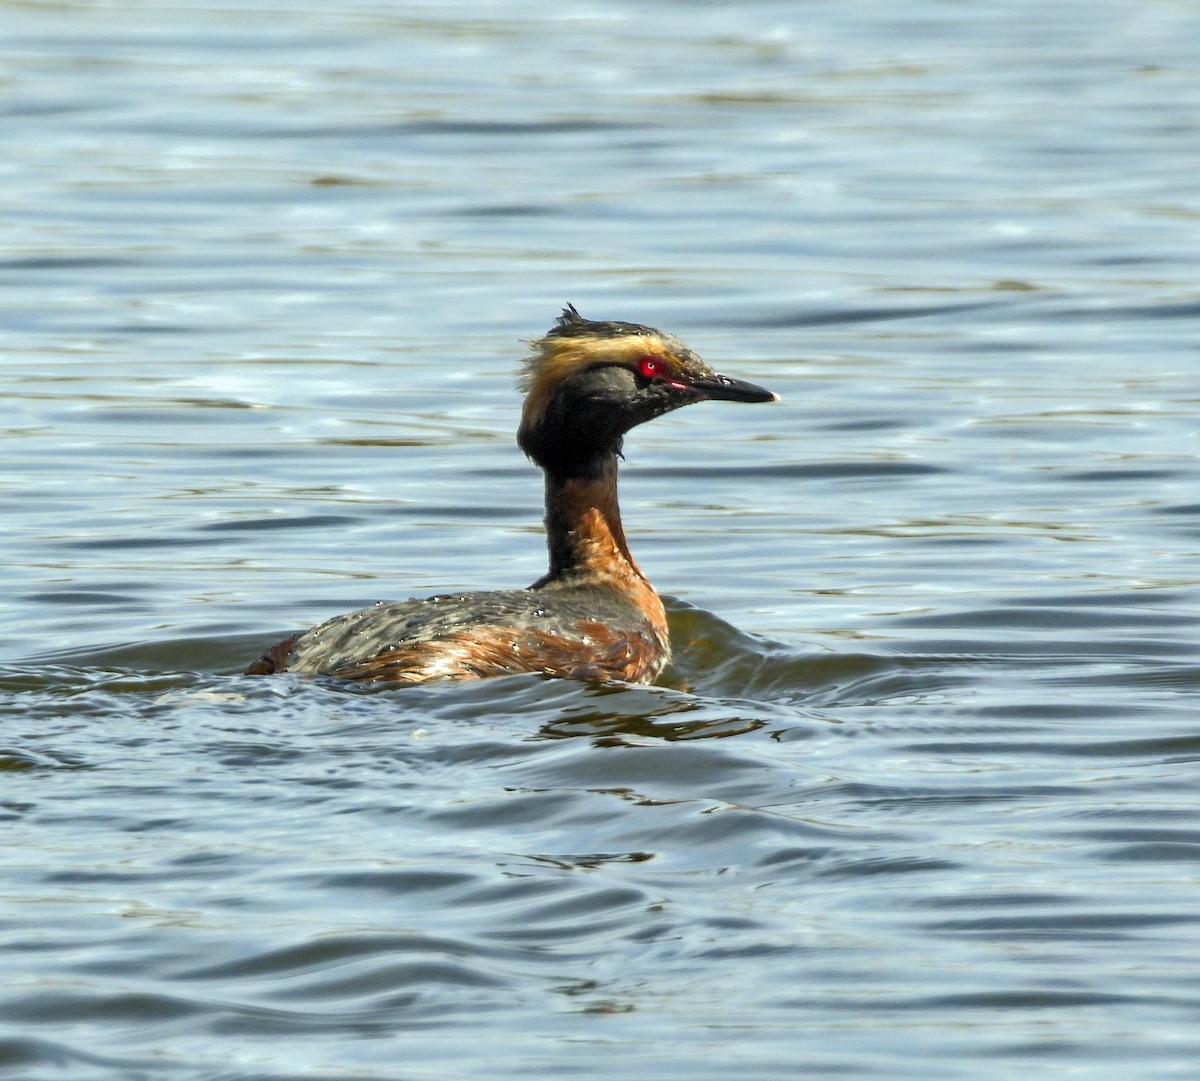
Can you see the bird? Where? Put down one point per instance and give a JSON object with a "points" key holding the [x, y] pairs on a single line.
{"points": [[594, 614]]}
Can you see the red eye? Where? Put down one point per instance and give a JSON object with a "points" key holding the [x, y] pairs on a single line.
{"points": [[650, 367]]}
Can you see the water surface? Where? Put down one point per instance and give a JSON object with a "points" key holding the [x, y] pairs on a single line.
{"points": [[917, 797]]}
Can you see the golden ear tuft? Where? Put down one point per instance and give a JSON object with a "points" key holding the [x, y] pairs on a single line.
{"points": [[555, 358]]}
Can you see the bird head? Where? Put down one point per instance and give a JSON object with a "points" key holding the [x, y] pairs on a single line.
{"points": [[587, 383]]}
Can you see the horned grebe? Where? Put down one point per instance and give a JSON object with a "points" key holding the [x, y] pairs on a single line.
{"points": [[593, 615]]}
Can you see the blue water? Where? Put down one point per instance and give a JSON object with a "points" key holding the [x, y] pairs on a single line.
{"points": [[917, 797]]}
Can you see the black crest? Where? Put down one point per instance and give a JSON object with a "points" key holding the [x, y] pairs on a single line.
{"points": [[573, 325]]}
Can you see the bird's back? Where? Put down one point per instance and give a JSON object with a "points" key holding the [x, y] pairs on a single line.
{"points": [[583, 630]]}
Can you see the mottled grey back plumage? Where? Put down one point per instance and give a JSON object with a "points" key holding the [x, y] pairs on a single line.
{"points": [[388, 627]]}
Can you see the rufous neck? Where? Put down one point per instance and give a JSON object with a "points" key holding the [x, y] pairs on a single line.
{"points": [[583, 523]]}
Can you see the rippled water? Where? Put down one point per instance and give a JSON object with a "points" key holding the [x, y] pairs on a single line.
{"points": [[918, 797]]}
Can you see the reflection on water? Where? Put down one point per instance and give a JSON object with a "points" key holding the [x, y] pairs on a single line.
{"points": [[916, 797]]}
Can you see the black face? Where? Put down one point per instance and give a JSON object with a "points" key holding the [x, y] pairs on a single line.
{"points": [[590, 412]]}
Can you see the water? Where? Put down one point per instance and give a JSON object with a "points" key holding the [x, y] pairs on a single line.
{"points": [[917, 798]]}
